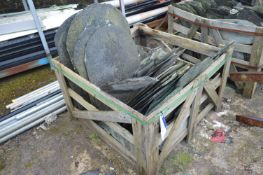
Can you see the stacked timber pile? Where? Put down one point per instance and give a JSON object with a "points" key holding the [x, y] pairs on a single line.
{"points": [[224, 9]]}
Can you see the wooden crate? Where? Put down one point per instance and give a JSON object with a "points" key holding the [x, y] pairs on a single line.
{"points": [[143, 146], [210, 34]]}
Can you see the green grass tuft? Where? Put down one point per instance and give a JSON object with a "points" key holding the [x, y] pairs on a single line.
{"points": [[94, 138], [181, 160]]}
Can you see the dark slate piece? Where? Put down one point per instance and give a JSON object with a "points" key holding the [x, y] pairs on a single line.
{"points": [[111, 55], [60, 42], [94, 14], [131, 84], [79, 51]]}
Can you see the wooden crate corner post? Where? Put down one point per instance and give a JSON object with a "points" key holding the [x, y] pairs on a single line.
{"points": [[256, 59], [146, 147], [63, 86]]}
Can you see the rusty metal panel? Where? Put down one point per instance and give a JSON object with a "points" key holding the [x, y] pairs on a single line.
{"points": [[247, 76], [252, 121], [23, 67]]}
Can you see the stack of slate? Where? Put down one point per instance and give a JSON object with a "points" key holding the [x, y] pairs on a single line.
{"points": [[224, 9], [97, 44]]}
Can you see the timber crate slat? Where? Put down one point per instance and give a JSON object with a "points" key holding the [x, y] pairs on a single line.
{"points": [[142, 145], [210, 34]]}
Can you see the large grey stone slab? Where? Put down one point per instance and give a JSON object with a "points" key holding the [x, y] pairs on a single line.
{"points": [[79, 50], [60, 42], [95, 14], [237, 37], [111, 55]]}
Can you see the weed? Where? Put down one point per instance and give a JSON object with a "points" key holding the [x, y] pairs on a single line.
{"points": [[94, 138], [181, 160]]}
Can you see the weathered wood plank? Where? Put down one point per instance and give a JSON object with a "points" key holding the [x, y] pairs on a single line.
{"points": [[211, 93], [170, 20], [193, 113], [108, 116], [129, 156], [212, 22], [64, 89], [146, 147], [81, 100], [191, 33], [256, 58], [184, 112], [181, 41], [225, 75], [217, 36], [121, 131], [238, 47], [204, 112], [204, 33], [247, 76], [180, 136]]}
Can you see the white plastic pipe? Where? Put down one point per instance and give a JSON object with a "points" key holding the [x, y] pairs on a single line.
{"points": [[39, 107], [14, 126], [142, 16], [116, 3], [31, 110], [48, 86], [32, 99], [32, 124], [36, 92]]}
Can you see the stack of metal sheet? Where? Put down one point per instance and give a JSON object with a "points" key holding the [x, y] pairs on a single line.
{"points": [[24, 53]]}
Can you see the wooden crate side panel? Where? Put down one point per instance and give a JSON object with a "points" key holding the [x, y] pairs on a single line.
{"points": [[181, 126], [216, 81], [180, 97], [255, 50], [129, 156], [210, 40], [185, 43], [187, 16], [96, 92], [109, 117]]}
